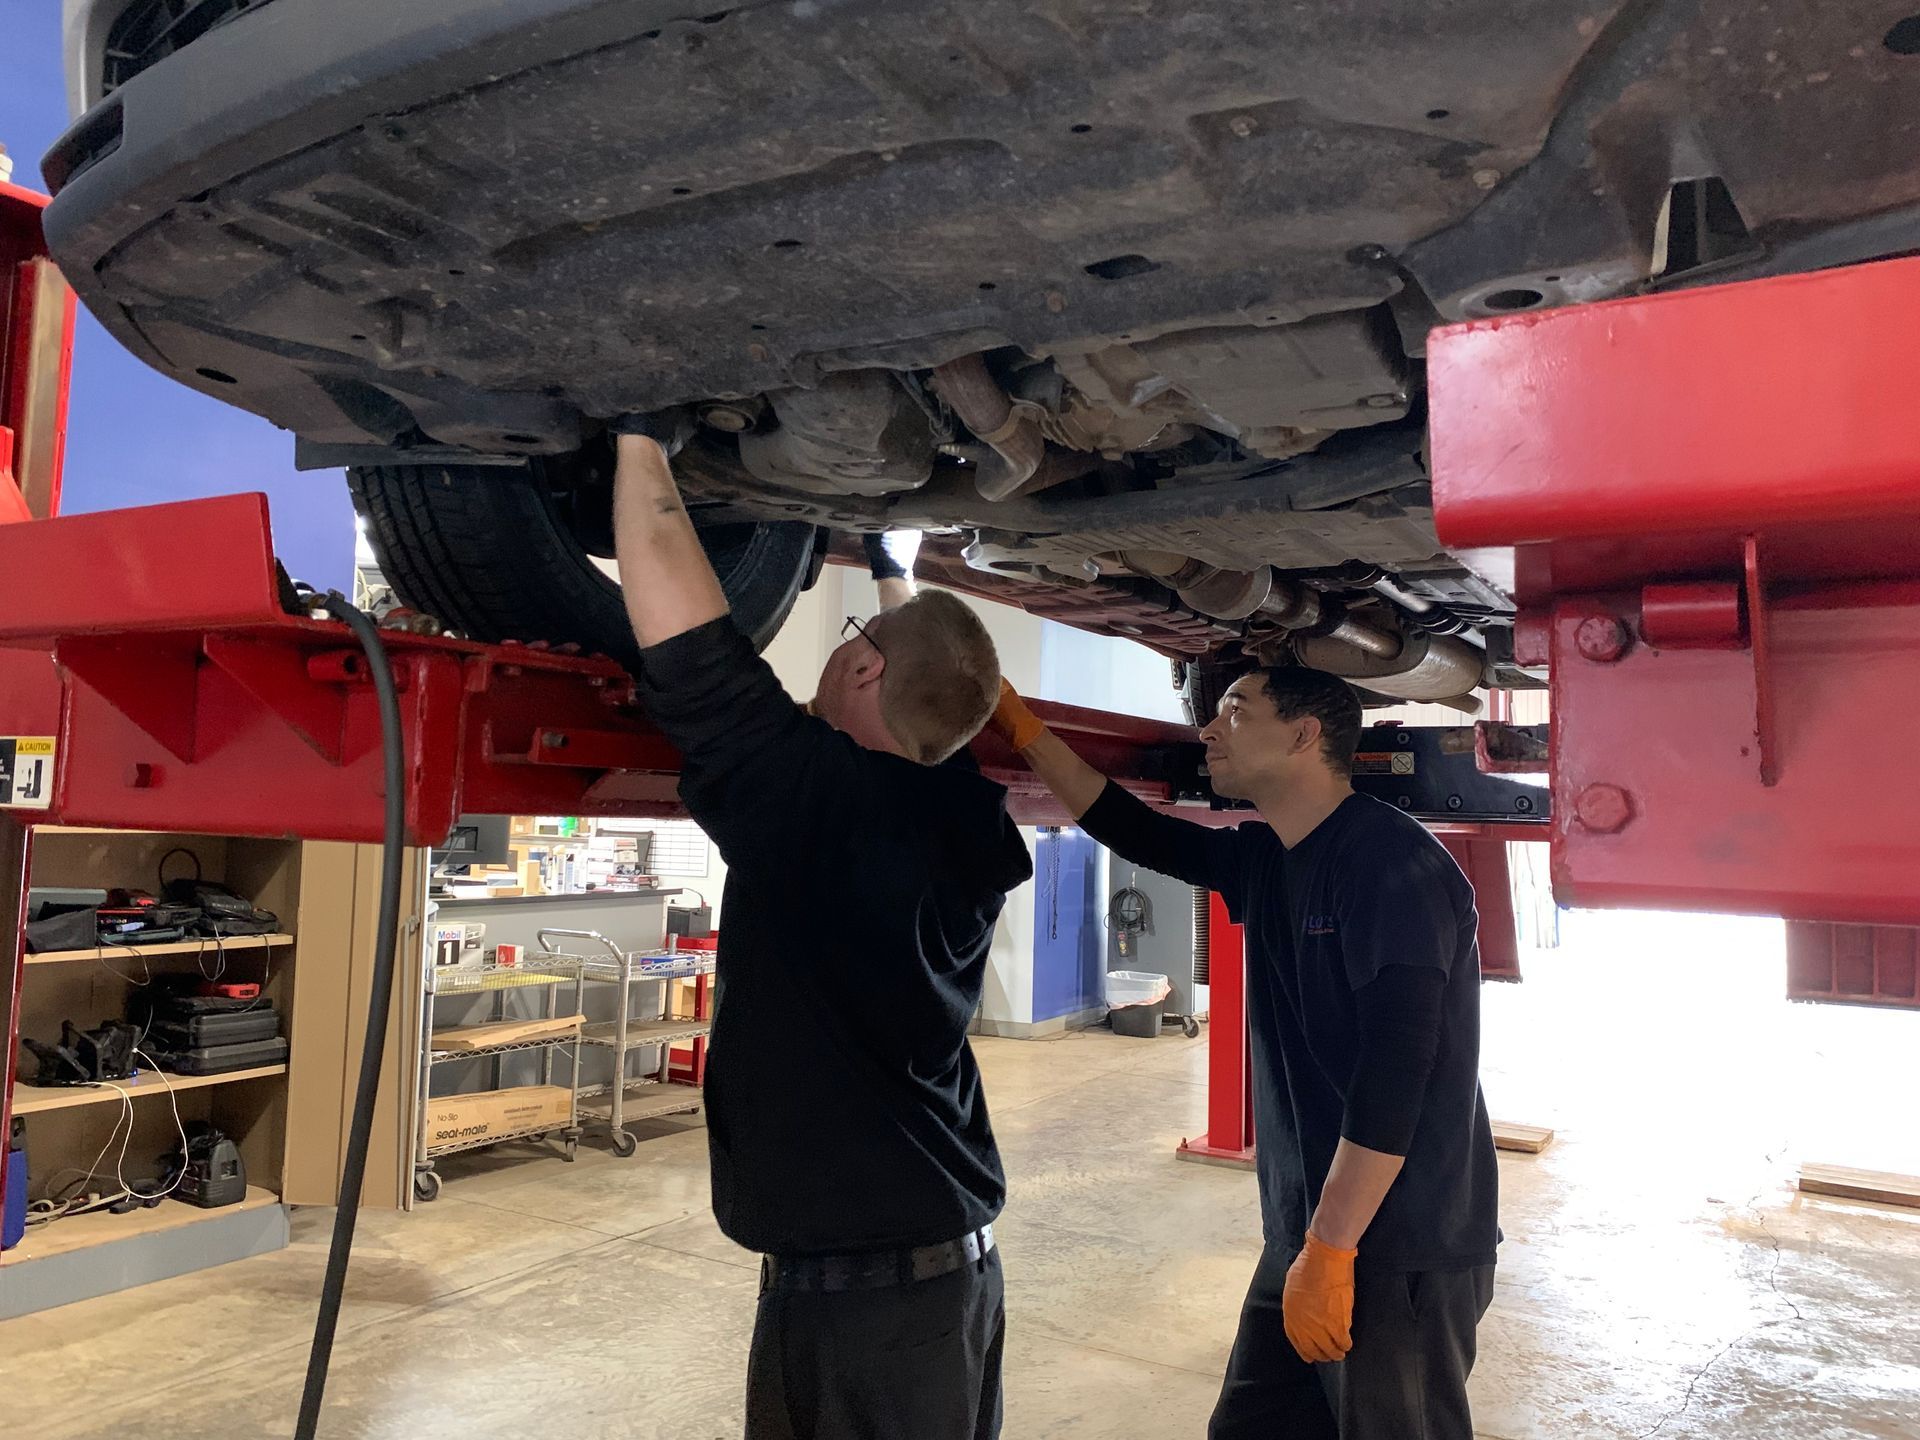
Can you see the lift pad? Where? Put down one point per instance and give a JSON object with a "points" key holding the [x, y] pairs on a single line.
{"points": [[1708, 505]]}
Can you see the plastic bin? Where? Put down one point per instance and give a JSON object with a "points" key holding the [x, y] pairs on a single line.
{"points": [[1136, 999], [13, 1215]]}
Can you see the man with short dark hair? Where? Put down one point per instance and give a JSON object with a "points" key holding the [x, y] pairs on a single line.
{"points": [[846, 1125], [1376, 1164]]}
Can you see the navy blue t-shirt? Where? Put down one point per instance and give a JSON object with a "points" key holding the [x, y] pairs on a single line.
{"points": [[1369, 888]]}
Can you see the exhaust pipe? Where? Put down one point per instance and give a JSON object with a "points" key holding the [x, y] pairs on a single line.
{"points": [[1417, 666], [979, 401], [1436, 668], [1239, 594]]}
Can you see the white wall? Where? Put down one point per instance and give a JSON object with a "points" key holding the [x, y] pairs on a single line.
{"points": [[1105, 673]]}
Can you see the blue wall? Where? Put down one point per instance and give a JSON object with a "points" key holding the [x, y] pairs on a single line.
{"points": [[164, 442], [1068, 937]]}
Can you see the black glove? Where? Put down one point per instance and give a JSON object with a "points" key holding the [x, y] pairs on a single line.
{"points": [[671, 428], [891, 553]]}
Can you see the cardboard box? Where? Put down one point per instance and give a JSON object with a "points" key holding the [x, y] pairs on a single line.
{"points": [[504, 1032], [467, 1119], [680, 999]]}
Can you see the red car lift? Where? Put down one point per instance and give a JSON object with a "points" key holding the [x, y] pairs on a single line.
{"points": [[1708, 501], [177, 695]]}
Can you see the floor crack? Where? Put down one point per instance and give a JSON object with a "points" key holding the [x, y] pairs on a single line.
{"points": [[1773, 1284]]}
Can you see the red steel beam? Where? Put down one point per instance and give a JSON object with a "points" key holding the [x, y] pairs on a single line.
{"points": [[1708, 503], [185, 697]]}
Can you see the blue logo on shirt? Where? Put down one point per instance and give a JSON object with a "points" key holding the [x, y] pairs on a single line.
{"points": [[1320, 925]]}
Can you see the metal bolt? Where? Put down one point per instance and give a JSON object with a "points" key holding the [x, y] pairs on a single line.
{"points": [[1056, 302], [1241, 125], [1601, 638], [1604, 809], [1454, 802], [1486, 179], [1383, 402], [1523, 803]]}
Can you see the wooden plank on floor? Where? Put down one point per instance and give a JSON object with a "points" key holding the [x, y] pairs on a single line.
{"points": [[1527, 1139], [1877, 1185]]}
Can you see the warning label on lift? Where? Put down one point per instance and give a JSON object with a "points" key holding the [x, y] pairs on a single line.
{"points": [[1383, 762], [26, 772]]}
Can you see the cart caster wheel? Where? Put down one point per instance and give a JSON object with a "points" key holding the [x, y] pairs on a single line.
{"points": [[426, 1186], [624, 1144], [1190, 1028], [572, 1138]]}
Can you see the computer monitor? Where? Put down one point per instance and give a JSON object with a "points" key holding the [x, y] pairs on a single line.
{"points": [[475, 840]]}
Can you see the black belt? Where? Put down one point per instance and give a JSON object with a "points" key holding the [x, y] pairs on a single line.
{"points": [[878, 1269]]}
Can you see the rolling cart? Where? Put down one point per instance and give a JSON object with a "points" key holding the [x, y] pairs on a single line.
{"points": [[499, 981], [654, 1092]]}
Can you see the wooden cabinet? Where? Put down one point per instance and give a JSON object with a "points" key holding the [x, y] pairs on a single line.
{"points": [[289, 1120]]}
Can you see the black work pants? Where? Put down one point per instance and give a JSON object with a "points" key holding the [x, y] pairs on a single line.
{"points": [[902, 1362], [1404, 1379]]}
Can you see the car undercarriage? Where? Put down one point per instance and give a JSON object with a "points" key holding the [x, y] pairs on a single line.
{"points": [[1128, 304]]}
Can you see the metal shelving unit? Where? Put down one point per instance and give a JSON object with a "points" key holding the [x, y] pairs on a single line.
{"points": [[608, 964], [646, 1032], [499, 981]]}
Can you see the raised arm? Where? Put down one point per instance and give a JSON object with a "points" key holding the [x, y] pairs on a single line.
{"points": [[890, 557], [753, 764], [1197, 854], [669, 584]]}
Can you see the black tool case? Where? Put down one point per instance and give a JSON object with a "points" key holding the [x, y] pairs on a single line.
{"points": [[171, 1032], [218, 1059]]}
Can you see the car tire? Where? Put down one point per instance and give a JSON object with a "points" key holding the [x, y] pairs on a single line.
{"points": [[1200, 684], [488, 551]]}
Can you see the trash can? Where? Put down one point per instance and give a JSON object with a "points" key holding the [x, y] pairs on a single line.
{"points": [[1135, 1000]]}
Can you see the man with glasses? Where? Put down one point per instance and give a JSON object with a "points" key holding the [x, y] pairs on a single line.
{"points": [[847, 1130]]}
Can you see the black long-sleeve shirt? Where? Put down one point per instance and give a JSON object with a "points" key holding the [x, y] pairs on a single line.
{"points": [[844, 1108], [1363, 1008]]}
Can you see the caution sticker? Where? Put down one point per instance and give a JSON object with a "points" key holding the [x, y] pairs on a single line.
{"points": [[1384, 762], [26, 772]]}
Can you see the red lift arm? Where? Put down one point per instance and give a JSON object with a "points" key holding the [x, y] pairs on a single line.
{"points": [[1711, 503], [183, 695]]}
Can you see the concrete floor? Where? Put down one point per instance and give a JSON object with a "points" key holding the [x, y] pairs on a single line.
{"points": [[1660, 1278]]}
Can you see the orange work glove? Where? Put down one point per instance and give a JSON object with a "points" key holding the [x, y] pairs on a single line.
{"points": [[1012, 721], [1317, 1304]]}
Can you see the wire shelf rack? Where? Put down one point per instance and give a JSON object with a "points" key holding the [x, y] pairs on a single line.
{"points": [[532, 1132], [477, 979], [594, 959], [645, 1032], [542, 1042]]}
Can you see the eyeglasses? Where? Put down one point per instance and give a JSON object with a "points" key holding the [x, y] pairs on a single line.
{"points": [[855, 626]]}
